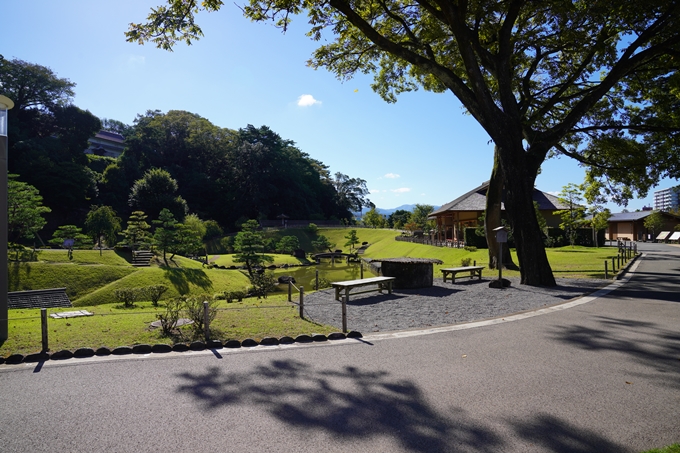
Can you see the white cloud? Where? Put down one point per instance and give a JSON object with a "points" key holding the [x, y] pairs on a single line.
{"points": [[401, 190], [374, 191], [392, 176], [136, 60], [306, 100], [557, 194]]}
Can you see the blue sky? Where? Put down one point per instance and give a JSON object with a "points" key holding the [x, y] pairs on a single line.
{"points": [[423, 149]]}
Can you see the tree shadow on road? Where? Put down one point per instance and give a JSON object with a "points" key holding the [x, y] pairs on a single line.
{"points": [[349, 403], [353, 404], [644, 343], [553, 434]]}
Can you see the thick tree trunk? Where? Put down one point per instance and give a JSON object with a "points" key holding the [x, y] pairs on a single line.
{"points": [[520, 175], [492, 216]]}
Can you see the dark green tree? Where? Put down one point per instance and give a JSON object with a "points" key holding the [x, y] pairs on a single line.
{"points": [[398, 218], [322, 243], [165, 235], [70, 237], [654, 222], [137, 232], [373, 219], [47, 137], [351, 193], [188, 242], [287, 245], [592, 81], [574, 214], [249, 247], [419, 217], [352, 240], [102, 223], [24, 210], [154, 192]]}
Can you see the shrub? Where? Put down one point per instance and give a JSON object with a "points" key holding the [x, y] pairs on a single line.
{"points": [[154, 293], [127, 296], [323, 283], [173, 308], [466, 262], [194, 309], [263, 283], [470, 248], [312, 229], [230, 296]]}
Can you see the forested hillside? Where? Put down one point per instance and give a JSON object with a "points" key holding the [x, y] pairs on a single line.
{"points": [[175, 160]]}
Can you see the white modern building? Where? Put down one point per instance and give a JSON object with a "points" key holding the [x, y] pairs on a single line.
{"points": [[667, 199]]}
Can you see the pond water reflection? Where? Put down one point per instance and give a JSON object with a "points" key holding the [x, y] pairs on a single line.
{"points": [[338, 271]]}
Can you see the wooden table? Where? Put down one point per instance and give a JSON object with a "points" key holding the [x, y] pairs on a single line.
{"points": [[452, 271], [347, 286]]}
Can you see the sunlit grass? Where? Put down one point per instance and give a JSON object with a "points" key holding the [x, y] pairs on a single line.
{"points": [[114, 326]]}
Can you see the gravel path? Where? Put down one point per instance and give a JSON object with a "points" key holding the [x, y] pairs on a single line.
{"points": [[442, 304]]}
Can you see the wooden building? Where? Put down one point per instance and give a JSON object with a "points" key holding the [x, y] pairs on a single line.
{"points": [[630, 226], [464, 212]]}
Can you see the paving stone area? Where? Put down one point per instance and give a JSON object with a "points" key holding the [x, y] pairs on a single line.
{"points": [[441, 304]]}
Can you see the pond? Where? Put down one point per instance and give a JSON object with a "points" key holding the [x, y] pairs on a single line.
{"points": [[333, 272]]}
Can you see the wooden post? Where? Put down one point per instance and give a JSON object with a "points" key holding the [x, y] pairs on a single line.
{"points": [[206, 320], [290, 291], [613, 264], [302, 302], [316, 279], [606, 271], [43, 322], [344, 314], [361, 266]]}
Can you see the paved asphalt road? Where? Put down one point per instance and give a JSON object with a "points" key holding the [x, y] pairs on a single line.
{"points": [[599, 376]]}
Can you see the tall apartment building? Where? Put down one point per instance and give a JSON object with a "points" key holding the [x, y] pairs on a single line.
{"points": [[667, 199]]}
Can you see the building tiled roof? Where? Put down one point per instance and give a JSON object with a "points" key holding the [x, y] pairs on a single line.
{"points": [[629, 216], [42, 298], [475, 200]]}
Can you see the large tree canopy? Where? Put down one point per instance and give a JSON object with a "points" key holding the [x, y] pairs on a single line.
{"points": [[595, 81], [47, 137]]}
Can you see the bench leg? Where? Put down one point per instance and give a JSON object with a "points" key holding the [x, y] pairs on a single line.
{"points": [[337, 293], [346, 295]]}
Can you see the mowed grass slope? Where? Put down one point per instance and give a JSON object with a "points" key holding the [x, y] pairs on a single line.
{"points": [[91, 280], [571, 262]]}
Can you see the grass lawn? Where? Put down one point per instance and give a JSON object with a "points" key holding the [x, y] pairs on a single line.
{"points": [[90, 281], [112, 325], [675, 448]]}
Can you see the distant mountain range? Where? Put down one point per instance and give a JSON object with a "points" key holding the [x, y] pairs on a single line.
{"points": [[387, 212]]}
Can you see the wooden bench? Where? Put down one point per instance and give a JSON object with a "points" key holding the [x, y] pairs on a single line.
{"points": [[382, 282], [452, 271]]}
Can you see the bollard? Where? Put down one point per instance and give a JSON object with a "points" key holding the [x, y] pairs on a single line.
{"points": [[302, 302], [474, 263], [290, 291], [43, 322], [344, 314], [206, 320], [316, 280], [613, 264], [361, 266], [606, 271]]}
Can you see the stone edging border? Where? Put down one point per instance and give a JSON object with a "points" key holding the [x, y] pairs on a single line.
{"points": [[65, 354]]}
